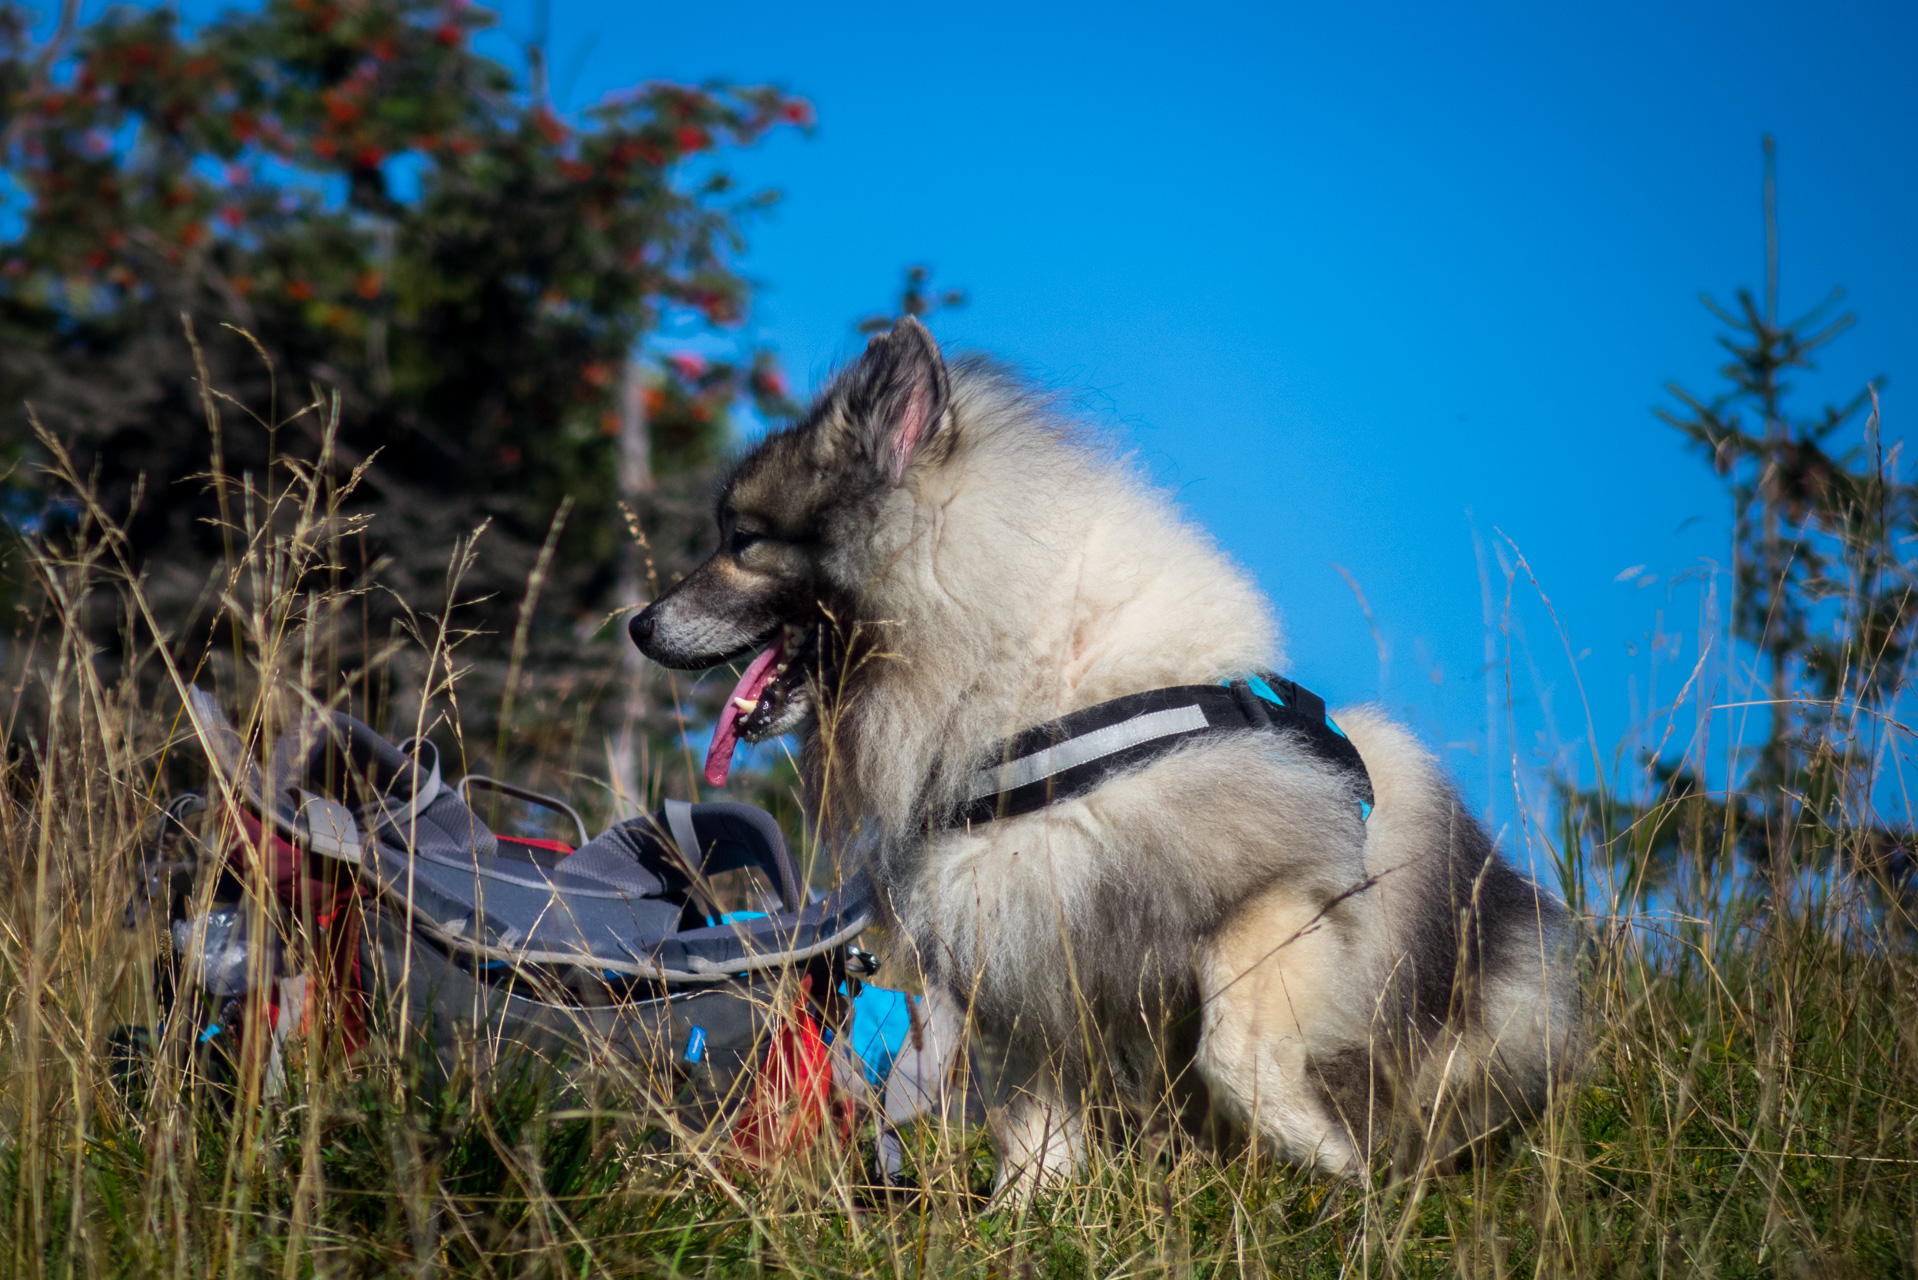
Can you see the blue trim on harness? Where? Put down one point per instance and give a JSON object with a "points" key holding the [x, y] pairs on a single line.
{"points": [[1264, 690]]}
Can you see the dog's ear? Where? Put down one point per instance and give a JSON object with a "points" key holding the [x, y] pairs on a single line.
{"points": [[900, 396]]}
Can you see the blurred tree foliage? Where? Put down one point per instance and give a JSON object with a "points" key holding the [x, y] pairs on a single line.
{"points": [[1822, 598], [917, 297], [392, 217]]}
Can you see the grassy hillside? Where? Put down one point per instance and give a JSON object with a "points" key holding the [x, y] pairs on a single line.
{"points": [[1750, 1107]]}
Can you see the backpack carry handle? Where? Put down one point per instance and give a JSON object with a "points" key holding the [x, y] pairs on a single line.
{"points": [[723, 835], [537, 798]]}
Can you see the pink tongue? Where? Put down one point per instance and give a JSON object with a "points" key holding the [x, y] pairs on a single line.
{"points": [[719, 756]]}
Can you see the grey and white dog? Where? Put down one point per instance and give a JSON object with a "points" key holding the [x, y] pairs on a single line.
{"points": [[934, 560]]}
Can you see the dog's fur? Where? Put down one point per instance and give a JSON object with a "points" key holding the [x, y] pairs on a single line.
{"points": [[952, 562]]}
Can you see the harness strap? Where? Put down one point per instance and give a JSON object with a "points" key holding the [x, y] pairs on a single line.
{"points": [[1074, 754]]}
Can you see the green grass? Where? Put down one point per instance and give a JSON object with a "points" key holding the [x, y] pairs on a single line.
{"points": [[1750, 1106], [1747, 1115]]}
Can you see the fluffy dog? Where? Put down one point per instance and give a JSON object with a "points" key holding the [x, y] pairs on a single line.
{"points": [[933, 561]]}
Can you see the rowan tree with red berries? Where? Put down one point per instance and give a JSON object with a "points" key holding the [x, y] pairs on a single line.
{"points": [[345, 195]]}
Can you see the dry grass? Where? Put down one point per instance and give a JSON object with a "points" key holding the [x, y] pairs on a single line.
{"points": [[1751, 1107]]}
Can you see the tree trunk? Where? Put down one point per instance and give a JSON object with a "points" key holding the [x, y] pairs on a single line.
{"points": [[626, 765]]}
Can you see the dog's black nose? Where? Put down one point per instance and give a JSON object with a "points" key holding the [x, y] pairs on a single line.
{"points": [[641, 628]]}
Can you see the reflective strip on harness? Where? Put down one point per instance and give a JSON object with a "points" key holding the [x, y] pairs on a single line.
{"points": [[1074, 752]]}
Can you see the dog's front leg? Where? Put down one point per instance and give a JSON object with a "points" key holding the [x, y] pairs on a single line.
{"points": [[1041, 1137]]}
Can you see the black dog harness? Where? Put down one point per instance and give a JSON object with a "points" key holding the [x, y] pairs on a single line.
{"points": [[1072, 755]]}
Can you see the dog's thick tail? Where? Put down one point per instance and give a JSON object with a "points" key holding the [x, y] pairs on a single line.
{"points": [[1480, 1017]]}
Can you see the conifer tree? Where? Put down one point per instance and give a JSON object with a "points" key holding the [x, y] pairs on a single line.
{"points": [[1823, 600]]}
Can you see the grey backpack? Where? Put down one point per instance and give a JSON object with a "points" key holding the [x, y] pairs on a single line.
{"points": [[607, 952]]}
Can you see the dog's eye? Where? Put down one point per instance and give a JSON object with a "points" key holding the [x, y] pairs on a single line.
{"points": [[743, 538]]}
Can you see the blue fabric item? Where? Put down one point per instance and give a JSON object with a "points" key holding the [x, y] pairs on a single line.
{"points": [[695, 1044], [881, 1021]]}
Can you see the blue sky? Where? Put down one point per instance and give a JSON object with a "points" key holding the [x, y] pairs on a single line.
{"points": [[1353, 280], [1359, 282]]}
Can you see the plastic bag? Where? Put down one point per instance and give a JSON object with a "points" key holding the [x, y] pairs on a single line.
{"points": [[218, 950]]}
